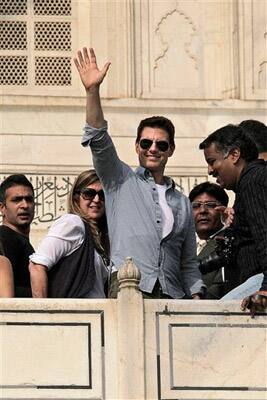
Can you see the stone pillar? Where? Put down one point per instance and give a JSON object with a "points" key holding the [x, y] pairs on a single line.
{"points": [[131, 371]]}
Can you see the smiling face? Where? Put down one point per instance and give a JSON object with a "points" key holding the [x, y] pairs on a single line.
{"points": [[93, 208], [152, 158], [226, 168], [18, 208], [207, 219]]}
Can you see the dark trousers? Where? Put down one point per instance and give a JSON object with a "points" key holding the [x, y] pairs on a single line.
{"points": [[156, 293]]}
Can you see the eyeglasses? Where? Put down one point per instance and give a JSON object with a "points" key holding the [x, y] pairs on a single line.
{"points": [[162, 145], [206, 204], [89, 194]]}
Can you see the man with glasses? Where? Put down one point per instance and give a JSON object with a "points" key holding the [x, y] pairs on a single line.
{"points": [[148, 218], [17, 208], [231, 156], [207, 199]]}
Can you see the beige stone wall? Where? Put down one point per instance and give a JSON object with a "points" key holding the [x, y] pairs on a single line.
{"points": [[131, 348], [201, 63]]}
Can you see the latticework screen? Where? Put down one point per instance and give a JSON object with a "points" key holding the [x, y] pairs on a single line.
{"points": [[35, 44]]}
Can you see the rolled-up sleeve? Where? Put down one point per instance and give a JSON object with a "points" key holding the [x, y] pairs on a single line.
{"points": [[110, 169], [64, 237], [90, 132]]}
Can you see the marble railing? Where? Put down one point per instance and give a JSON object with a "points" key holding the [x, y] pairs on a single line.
{"points": [[131, 348]]}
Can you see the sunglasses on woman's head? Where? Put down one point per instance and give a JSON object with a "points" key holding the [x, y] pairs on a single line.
{"points": [[89, 194], [162, 145]]}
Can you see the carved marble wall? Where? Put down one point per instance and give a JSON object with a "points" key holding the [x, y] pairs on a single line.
{"points": [[254, 41], [186, 42]]}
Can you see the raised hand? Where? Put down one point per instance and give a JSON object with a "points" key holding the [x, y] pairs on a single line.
{"points": [[89, 72]]}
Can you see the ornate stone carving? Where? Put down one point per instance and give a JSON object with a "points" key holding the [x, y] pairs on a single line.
{"points": [[254, 49], [128, 274], [187, 49], [164, 31]]}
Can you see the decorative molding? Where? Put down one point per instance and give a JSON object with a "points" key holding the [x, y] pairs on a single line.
{"points": [[187, 50], [183, 340], [72, 342], [165, 19], [128, 275], [254, 49]]}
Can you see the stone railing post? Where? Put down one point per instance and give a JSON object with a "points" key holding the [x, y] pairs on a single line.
{"points": [[131, 382]]}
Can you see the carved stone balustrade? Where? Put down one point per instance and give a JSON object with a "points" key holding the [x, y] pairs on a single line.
{"points": [[131, 348]]}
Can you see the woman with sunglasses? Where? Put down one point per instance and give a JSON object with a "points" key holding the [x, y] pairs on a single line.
{"points": [[72, 260]]}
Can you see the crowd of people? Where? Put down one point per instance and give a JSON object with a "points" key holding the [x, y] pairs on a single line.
{"points": [[185, 248]]}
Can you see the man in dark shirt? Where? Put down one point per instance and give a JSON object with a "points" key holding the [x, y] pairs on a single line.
{"points": [[17, 208], [231, 156], [219, 275]]}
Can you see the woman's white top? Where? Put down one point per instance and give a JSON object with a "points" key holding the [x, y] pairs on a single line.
{"points": [[64, 237], [167, 215]]}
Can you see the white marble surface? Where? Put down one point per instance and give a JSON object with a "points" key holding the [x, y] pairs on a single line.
{"points": [[151, 349], [205, 350], [57, 349]]}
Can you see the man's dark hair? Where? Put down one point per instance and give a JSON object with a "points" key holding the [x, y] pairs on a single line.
{"points": [[157, 122], [212, 189], [232, 137], [13, 180], [257, 131]]}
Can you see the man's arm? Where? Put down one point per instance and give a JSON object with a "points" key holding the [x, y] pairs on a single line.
{"points": [[39, 282], [91, 78], [189, 266], [255, 303], [110, 169], [256, 215], [6, 278]]}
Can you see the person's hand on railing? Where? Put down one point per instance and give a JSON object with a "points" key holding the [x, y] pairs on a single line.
{"points": [[197, 296], [257, 302]]}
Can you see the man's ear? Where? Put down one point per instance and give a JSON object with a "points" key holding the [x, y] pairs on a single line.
{"points": [[136, 147], [2, 207], [235, 154]]}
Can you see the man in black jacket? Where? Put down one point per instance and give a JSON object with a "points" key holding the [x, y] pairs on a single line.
{"points": [[232, 158], [17, 208], [219, 275]]}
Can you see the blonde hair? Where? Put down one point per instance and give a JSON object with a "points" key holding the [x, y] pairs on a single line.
{"points": [[98, 228]]}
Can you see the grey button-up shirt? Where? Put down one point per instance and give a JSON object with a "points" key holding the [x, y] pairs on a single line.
{"points": [[135, 221]]}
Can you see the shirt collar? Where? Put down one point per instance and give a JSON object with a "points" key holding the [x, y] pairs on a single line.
{"points": [[200, 244], [146, 174]]}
